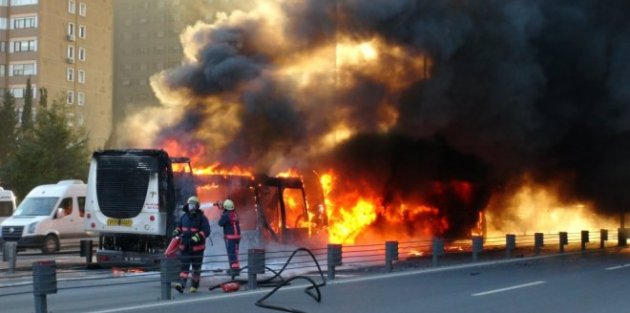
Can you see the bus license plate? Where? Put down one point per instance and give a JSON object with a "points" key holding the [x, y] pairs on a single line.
{"points": [[119, 222]]}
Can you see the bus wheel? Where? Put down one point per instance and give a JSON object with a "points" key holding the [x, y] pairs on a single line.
{"points": [[51, 244]]}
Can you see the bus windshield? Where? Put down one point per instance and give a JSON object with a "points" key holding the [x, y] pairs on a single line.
{"points": [[40, 206]]}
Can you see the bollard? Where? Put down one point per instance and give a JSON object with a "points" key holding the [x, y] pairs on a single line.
{"points": [[169, 272], [86, 250], [510, 244], [603, 237], [9, 254], [437, 250], [391, 254], [564, 240], [255, 266], [44, 282], [621, 237], [477, 247], [539, 242], [585, 239], [334, 259]]}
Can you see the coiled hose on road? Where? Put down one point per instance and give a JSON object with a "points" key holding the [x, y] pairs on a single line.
{"points": [[317, 296]]}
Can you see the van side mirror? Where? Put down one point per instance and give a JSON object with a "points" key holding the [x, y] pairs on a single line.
{"points": [[61, 213]]}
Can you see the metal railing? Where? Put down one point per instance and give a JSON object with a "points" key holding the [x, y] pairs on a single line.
{"points": [[265, 267]]}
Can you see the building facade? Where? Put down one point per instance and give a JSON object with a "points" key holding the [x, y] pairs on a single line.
{"points": [[66, 47]]}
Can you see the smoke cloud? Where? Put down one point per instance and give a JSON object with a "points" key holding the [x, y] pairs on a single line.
{"points": [[509, 87]]}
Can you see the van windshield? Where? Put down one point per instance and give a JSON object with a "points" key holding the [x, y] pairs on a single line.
{"points": [[36, 206]]}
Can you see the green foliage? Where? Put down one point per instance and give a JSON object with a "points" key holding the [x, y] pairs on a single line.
{"points": [[8, 122], [49, 152], [27, 109]]}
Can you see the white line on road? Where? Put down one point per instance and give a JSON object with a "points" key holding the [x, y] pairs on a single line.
{"points": [[612, 268], [508, 288]]}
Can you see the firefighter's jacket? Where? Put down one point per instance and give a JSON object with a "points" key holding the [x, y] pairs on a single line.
{"points": [[231, 226], [189, 225]]}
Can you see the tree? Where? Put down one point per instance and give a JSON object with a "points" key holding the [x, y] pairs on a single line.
{"points": [[27, 109], [51, 152], [8, 124]]}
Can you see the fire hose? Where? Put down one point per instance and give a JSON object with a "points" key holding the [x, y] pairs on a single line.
{"points": [[269, 282]]}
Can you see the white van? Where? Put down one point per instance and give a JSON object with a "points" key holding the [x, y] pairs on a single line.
{"points": [[47, 214], [7, 203]]}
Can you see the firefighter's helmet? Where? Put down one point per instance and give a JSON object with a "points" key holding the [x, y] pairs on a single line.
{"points": [[193, 199], [228, 205]]}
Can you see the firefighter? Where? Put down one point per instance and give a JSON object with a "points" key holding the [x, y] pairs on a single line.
{"points": [[232, 234], [193, 229]]}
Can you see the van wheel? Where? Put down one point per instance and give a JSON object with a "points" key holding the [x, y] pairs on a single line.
{"points": [[51, 244]]}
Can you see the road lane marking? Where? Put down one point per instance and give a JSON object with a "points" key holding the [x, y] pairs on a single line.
{"points": [[508, 288], [612, 268]]}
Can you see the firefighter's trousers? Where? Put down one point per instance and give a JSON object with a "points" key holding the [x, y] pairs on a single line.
{"points": [[191, 259], [231, 246]]}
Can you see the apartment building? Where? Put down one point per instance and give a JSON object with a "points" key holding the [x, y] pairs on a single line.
{"points": [[64, 46], [146, 41]]}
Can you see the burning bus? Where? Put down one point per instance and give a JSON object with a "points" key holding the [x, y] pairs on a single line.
{"points": [[271, 209]]}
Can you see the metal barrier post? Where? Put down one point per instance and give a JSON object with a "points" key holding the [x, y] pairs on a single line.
{"points": [[539, 242], [564, 240], [334, 259], [603, 237], [477, 247], [585, 239], [9, 254], [44, 282], [255, 266], [621, 237], [169, 272], [391, 254], [86, 250], [437, 249], [510, 244]]}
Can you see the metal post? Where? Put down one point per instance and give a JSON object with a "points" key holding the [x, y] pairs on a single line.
{"points": [[539, 242], [621, 237], [477, 247], [391, 254], [510, 244], [564, 240], [255, 266], [86, 250], [585, 239], [169, 272], [44, 282], [334, 259], [9, 254], [603, 237], [437, 250]]}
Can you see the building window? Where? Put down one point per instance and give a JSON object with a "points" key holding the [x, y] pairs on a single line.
{"points": [[19, 91], [71, 53], [81, 31], [80, 98], [2, 70], [70, 97], [24, 22], [81, 77], [24, 69], [70, 74], [70, 29], [81, 53], [82, 9], [23, 46], [17, 3], [72, 6]]}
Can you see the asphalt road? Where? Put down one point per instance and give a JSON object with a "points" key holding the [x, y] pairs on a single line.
{"points": [[597, 281]]}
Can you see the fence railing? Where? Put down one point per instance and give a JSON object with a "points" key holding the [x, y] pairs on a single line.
{"points": [[265, 267]]}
